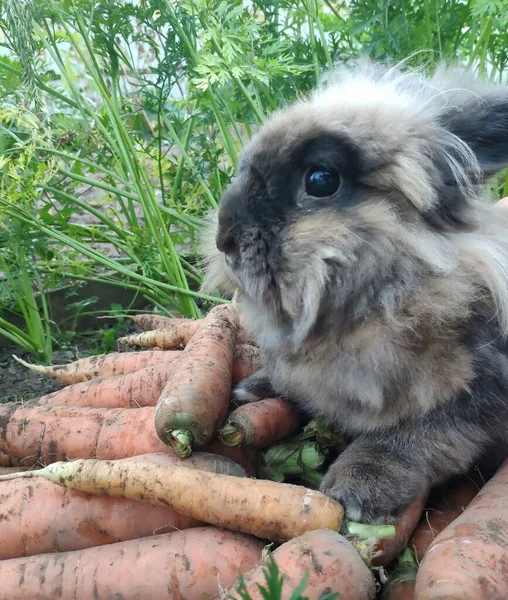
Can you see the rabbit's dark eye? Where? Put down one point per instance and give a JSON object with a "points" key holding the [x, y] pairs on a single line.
{"points": [[320, 182]]}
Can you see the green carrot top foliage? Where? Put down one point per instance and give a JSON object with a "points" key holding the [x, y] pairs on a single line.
{"points": [[121, 124]]}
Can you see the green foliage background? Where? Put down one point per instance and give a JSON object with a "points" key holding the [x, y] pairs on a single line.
{"points": [[122, 122]]}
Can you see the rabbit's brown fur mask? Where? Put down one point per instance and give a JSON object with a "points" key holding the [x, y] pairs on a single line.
{"points": [[372, 268]]}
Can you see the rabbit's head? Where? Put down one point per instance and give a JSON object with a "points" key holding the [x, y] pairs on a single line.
{"points": [[344, 203]]}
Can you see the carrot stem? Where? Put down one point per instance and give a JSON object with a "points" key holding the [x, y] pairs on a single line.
{"points": [[181, 441], [232, 435]]}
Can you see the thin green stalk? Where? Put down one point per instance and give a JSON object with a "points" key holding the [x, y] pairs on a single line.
{"points": [[315, 58], [189, 160], [109, 263], [321, 31], [122, 233], [162, 239], [89, 163], [209, 91]]}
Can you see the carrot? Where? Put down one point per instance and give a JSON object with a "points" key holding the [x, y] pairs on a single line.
{"points": [[401, 582], [103, 365], [456, 496], [141, 387], [330, 562], [167, 338], [468, 559], [151, 321], [30, 434], [7, 470], [37, 516], [260, 424], [246, 362], [189, 564], [274, 511], [133, 390], [195, 399], [386, 550]]}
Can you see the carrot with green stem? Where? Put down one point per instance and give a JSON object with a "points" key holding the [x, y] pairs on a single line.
{"points": [[194, 401], [191, 564], [31, 434], [266, 509], [260, 424], [102, 365]]}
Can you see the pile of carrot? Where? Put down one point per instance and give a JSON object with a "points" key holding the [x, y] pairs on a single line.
{"points": [[139, 479]]}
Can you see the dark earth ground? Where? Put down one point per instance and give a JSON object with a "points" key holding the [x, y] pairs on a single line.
{"points": [[17, 383]]}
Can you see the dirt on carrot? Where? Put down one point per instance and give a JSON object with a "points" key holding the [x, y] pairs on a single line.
{"points": [[101, 366], [260, 424], [266, 509], [246, 361], [169, 338], [468, 559], [38, 516], [133, 390], [194, 401], [185, 564], [330, 562], [32, 434], [453, 500]]}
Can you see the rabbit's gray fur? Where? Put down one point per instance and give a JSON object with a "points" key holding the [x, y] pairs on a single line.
{"points": [[383, 307]]}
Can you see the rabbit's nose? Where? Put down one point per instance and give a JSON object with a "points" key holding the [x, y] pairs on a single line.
{"points": [[225, 241]]}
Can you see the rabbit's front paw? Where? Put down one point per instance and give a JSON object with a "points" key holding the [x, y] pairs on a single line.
{"points": [[370, 493], [254, 388]]}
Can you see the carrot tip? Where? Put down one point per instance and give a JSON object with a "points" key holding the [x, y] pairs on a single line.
{"points": [[232, 435], [181, 441]]}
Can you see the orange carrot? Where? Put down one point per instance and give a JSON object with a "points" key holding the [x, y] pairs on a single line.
{"points": [[386, 550], [31, 434], [266, 509], [37, 516], [167, 338], [189, 564], [151, 321], [455, 498], [246, 362], [468, 559], [103, 365], [195, 399], [330, 562], [133, 390], [260, 424], [141, 387]]}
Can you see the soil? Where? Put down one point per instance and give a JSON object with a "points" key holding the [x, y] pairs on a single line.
{"points": [[18, 384]]}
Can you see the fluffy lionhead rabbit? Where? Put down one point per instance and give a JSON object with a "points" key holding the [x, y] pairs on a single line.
{"points": [[372, 269]]}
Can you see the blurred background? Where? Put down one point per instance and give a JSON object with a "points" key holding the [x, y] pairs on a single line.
{"points": [[121, 124]]}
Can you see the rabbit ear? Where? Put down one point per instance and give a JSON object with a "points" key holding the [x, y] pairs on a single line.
{"points": [[478, 115], [473, 144]]}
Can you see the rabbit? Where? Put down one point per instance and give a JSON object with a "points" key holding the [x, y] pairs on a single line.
{"points": [[371, 266]]}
